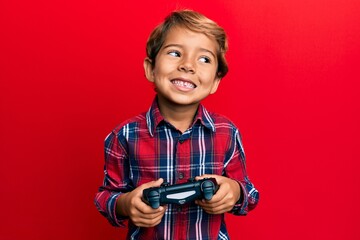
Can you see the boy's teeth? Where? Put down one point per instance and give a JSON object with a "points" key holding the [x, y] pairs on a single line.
{"points": [[183, 84]]}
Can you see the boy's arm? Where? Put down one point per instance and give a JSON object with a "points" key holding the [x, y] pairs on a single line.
{"points": [[236, 170], [117, 198], [236, 193], [116, 180]]}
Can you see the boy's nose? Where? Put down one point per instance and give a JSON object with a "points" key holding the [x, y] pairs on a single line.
{"points": [[187, 66]]}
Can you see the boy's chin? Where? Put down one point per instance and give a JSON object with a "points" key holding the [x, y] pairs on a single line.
{"points": [[181, 101]]}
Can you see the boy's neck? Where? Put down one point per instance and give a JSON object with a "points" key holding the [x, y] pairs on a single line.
{"points": [[179, 116]]}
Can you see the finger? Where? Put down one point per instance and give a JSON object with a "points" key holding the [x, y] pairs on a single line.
{"points": [[207, 204], [205, 176], [156, 183], [151, 215], [148, 220], [215, 208], [220, 194], [218, 197], [143, 208], [216, 204]]}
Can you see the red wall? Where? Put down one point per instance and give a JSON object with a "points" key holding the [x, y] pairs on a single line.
{"points": [[70, 71]]}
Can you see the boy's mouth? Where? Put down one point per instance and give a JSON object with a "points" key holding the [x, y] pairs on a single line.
{"points": [[183, 83]]}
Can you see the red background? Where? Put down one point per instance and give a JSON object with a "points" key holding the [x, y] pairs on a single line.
{"points": [[71, 71]]}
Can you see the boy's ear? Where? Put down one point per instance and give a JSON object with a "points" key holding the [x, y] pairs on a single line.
{"points": [[215, 85], [148, 68]]}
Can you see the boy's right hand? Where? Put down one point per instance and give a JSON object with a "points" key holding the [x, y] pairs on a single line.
{"points": [[142, 215]]}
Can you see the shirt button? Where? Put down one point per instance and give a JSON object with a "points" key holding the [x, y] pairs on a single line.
{"points": [[181, 175]]}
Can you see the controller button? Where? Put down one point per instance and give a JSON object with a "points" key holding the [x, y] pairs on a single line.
{"points": [[165, 184], [191, 180]]}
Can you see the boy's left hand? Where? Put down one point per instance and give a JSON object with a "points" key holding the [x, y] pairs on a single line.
{"points": [[225, 198]]}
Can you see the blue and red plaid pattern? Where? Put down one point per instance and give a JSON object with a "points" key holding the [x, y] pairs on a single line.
{"points": [[146, 148]]}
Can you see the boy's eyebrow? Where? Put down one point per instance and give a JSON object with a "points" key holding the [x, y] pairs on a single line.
{"points": [[180, 46]]}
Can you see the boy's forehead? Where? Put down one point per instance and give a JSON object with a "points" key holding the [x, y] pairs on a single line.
{"points": [[183, 35]]}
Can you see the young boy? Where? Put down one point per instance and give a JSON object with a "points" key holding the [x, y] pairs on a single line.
{"points": [[177, 139]]}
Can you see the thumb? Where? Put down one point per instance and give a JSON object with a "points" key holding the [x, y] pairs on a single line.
{"points": [[156, 183]]}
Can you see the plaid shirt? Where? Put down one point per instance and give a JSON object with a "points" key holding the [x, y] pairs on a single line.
{"points": [[147, 147]]}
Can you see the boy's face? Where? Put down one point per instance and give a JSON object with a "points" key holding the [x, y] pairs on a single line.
{"points": [[185, 67]]}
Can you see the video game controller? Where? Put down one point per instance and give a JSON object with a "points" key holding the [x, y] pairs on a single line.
{"points": [[180, 193]]}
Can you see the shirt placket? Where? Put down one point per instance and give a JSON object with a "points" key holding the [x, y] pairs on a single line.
{"points": [[182, 174]]}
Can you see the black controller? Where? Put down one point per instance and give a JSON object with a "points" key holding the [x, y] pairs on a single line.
{"points": [[180, 193]]}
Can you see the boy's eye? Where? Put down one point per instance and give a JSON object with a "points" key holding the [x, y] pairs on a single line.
{"points": [[205, 60], [174, 53]]}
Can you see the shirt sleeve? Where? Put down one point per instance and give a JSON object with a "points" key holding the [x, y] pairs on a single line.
{"points": [[235, 168], [116, 180]]}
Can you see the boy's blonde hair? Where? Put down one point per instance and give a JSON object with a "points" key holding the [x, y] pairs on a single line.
{"points": [[195, 22]]}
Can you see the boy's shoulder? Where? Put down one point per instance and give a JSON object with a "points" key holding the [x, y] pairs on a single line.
{"points": [[135, 121], [221, 120]]}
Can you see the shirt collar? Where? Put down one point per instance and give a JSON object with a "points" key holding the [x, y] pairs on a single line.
{"points": [[154, 117]]}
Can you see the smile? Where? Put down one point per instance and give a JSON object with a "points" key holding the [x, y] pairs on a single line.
{"points": [[183, 84]]}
